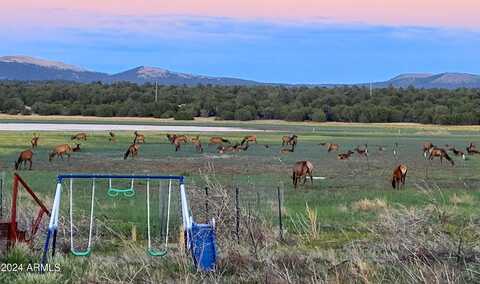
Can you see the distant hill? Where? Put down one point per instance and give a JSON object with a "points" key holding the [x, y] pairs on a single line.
{"points": [[427, 81], [25, 68], [144, 74]]}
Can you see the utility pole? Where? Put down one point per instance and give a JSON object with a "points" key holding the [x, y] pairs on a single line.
{"points": [[156, 91], [370, 89]]}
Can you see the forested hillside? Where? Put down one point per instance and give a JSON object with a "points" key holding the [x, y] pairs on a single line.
{"points": [[346, 104]]}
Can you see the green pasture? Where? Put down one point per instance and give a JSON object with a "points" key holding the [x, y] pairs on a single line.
{"points": [[258, 172]]}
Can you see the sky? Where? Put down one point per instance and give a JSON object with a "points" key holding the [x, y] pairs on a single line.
{"points": [[284, 41]]}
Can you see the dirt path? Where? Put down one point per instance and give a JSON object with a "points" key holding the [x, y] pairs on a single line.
{"points": [[119, 127]]}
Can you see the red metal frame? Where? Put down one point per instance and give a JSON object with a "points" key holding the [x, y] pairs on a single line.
{"points": [[14, 234]]}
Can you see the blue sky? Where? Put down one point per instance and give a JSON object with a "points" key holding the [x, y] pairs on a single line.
{"points": [[262, 50]]}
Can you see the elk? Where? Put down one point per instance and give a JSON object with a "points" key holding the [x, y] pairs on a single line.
{"points": [[289, 140], [331, 147], [218, 140], [59, 151], [362, 152], [132, 151], [472, 149], [198, 144], [34, 140], [249, 138], [398, 176], [179, 138], [457, 153], [441, 153], [302, 169], [76, 148], [139, 138], [79, 136], [345, 156], [426, 148], [23, 158]]}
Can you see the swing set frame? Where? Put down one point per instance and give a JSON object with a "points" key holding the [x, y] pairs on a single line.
{"points": [[55, 212]]}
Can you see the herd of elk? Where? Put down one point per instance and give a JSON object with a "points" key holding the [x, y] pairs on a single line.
{"points": [[302, 169], [79, 136], [23, 158], [399, 175], [59, 151]]}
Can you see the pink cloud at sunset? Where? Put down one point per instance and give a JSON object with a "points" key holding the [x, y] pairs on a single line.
{"points": [[457, 14]]}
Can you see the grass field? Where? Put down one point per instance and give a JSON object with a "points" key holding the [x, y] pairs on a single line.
{"points": [[354, 194]]}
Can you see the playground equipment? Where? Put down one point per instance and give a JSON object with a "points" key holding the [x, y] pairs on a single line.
{"points": [[9, 229], [199, 238]]}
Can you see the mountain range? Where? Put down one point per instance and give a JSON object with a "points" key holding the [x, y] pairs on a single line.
{"points": [[25, 68]]}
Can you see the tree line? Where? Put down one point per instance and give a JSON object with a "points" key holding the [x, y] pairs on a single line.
{"points": [[343, 103]]}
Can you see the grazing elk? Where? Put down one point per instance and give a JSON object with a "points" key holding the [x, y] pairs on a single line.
{"points": [[458, 153], [59, 151], [289, 140], [398, 176], [472, 149], [80, 136], [23, 158], [362, 152], [345, 156], [249, 138], [139, 138], [217, 140], [132, 151], [302, 169], [34, 140], [441, 153], [331, 147], [76, 148]]}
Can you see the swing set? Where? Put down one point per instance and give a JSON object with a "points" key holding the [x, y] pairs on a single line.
{"points": [[200, 238]]}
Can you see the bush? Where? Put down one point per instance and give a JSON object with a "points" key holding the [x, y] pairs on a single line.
{"points": [[183, 115]]}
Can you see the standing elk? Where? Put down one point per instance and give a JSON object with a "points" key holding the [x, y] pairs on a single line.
{"points": [[59, 151], [398, 176], [302, 169], [34, 140], [23, 158], [132, 151], [139, 138], [289, 140]]}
